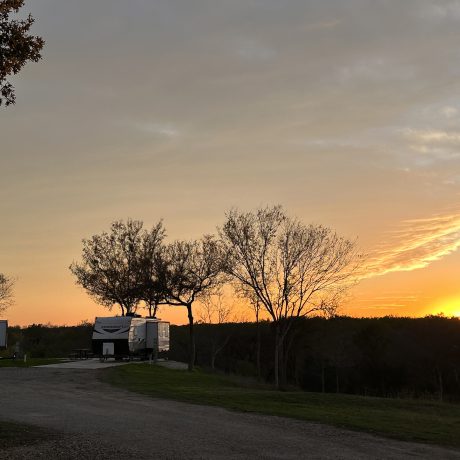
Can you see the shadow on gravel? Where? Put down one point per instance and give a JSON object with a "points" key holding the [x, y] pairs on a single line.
{"points": [[70, 447], [17, 434]]}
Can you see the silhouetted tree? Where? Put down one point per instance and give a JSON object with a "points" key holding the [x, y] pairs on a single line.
{"points": [[113, 269], [17, 46], [294, 270], [191, 270], [150, 284], [6, 292], [254, 305], [215, 310]]}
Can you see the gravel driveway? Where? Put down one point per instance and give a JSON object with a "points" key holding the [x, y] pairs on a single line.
{"points": [[99, 421]]}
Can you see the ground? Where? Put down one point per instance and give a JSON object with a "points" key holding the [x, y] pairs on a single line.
{"points": [[88, 419]]}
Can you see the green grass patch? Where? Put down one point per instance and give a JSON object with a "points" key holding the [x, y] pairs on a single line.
{"points": [[29, 363], [410, 420], [18, 434]]}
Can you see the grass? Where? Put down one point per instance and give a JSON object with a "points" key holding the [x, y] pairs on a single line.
{"points": [[18, 434], [30, 362], [410, 420]]}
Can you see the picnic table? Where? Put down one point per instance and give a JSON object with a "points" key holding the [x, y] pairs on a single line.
{"points": [[81, 353]]}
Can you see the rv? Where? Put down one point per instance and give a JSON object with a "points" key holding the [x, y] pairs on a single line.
{"points": [[128, 336], [3, 333]]}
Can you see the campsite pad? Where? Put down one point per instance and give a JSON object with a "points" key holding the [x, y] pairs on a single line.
{"points": [[97, 364], [84, 364]]}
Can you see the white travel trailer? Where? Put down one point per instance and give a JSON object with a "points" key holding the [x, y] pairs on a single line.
{"points": [[128, 336], [3, 333]]}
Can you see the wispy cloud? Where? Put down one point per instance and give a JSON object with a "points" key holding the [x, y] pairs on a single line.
{"points": [[328, 24], [433, 136], [442, 11], [437, 144], [251, 50], [376, 69], [158, 129], [449, 112], [416, 244]]}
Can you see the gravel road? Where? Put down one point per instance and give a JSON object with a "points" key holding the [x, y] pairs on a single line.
{"points": [[98, 421]]}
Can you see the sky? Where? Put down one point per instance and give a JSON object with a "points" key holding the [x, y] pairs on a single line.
{"points": [[347, 113]]}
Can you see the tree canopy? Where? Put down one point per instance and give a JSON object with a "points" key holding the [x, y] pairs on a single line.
{"points": [[6, 292], [114, 269], [17, 47], [292, 269]]}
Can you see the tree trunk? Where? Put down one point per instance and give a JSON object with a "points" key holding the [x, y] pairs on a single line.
{"points": [[213, 361], [441, 385], [191, 358], [216, 351], [213, 354], [258, 349], [154, 306], [287, 347], [279, 355], [277, 335], [282, 361], [337, 386], [323, 378]]}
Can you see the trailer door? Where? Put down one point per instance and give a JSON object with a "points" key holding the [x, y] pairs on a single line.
{"points": [[152, 335]]}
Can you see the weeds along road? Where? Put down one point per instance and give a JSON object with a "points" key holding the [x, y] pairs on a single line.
{"points": [[99, 421]]}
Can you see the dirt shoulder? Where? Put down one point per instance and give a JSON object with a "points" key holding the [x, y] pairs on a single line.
{"points": [[99, 421]]}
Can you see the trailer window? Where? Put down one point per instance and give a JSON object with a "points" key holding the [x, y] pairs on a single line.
{"points": [[164, 331]]}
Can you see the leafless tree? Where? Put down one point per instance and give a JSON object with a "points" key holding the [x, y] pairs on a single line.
{"points": [[247, 294], [292, 269], [255, 304], [111, 264], [191, 270], [214, 309], [6, 292], [17, 46]]}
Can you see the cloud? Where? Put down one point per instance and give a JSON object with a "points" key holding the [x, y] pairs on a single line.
{"points": [[250, 50], [449, 112], [158, 129], [433, 136], [442, 11], [376, 69], [330, 24], [416, 244], [432, 144]]}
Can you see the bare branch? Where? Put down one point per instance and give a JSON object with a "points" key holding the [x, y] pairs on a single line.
{"points": [[6, 292]]}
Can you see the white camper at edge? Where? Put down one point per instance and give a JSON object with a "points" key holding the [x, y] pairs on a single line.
{"points": [[3, 333]]}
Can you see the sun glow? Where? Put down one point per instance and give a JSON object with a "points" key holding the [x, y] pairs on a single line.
{"points": [[449, 307]]}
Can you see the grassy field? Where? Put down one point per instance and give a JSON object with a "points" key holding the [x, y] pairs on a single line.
{"points": [[30, 362], [411, 420], [16, 434]]}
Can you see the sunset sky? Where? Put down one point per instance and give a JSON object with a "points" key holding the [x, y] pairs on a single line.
{"points": [[345, 112]]}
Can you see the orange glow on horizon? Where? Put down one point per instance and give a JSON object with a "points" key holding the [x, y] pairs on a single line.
{"points": [[414, 276], [447, 306]]}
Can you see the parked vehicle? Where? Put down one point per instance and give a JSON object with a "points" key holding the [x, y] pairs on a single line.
{"points": [[123, 337], [3, 333]]}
